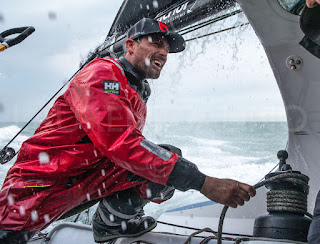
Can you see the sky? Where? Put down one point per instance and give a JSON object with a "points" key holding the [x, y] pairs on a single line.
{"points": [[224, 77]]}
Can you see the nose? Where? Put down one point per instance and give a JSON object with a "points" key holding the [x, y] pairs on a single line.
{"points": [[164, 52]]}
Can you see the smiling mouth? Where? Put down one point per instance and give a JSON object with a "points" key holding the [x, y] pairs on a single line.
{"points": [[157, 63]]}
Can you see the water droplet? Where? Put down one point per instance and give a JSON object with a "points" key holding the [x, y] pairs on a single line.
{"points": [[129, 201], [145, 223], [80, 127], [95, 153], [22, 211], [99, 192], [150, 39], [88, 93], [147, 61], [103, 172], [1, 108], [141, 6], [10, 199], [155, 4], [88, 196], [148, 7], [111, 217], [123, 225], [1, 18], [34, 215], [43, 158], [52, 15], [46, 218], [88, 126], [104, 185], [149, 193]]}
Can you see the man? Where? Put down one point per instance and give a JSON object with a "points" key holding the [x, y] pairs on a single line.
{"points": [[91, 146], [314, 230]]}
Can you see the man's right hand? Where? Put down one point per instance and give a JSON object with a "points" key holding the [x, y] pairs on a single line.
{"points": [[226, 191], [312, 3]]}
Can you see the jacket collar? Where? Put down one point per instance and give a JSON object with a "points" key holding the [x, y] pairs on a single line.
{"points": [[137, 81]]}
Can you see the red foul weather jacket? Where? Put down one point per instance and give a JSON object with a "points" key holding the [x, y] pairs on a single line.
{"points": [[84, 149]]}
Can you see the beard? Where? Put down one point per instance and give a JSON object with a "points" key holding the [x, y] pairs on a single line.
{"points": [[151, 73], [147, 69]]}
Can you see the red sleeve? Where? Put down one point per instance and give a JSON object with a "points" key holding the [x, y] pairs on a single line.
{"points": [[109, 121]]}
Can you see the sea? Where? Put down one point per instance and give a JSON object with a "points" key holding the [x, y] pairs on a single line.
{"points": [[245, 151]]}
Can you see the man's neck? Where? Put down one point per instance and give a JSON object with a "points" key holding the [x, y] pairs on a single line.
{"points": [[131, 69]]}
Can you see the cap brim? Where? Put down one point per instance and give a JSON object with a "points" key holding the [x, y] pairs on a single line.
{"points": [[309, 23], [176, 42]]}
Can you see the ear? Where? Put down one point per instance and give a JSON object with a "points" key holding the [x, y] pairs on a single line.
{"points": [[130, 46]]}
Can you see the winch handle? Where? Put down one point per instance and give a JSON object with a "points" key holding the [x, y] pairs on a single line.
{"points": [[23, 31]]}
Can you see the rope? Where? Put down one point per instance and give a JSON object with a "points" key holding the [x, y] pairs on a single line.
{"points": [[196, 229], [208, 22], [216, 32], [198, 232], [278, 202]]}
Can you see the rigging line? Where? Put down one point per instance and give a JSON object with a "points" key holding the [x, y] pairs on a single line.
{"points": [[197, 229], [216, 32], [208, 22], [263, 178], [256, 186]]}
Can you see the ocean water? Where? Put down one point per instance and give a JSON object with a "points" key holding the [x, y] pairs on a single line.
{"points": [[245, 151]]}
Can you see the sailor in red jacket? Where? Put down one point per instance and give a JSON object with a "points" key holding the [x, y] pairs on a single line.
{"points": [[90, 146]]}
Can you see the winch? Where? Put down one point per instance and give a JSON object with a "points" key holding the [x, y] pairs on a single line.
{"points": [[286, 203]]}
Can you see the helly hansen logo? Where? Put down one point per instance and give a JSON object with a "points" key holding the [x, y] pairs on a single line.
{"points": [[112, 87]]}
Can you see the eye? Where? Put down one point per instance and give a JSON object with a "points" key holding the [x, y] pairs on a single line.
{"points": [[157, 44]]}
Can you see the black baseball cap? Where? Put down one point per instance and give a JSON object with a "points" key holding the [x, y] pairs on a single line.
{"points": [[151, 26]]}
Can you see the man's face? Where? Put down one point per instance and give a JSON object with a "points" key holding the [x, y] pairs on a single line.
{"points": [[149, 55]]}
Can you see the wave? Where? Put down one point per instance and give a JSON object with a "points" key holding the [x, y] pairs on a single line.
{"points": [[7, 133], [205, 141]]}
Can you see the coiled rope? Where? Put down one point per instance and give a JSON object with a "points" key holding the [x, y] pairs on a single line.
{"points": [[292, 200], [280, 200]]}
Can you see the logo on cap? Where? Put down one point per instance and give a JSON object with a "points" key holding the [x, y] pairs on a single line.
{"points": [[163, 27]]}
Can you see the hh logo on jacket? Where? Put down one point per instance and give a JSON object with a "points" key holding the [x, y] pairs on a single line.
{"points": [[112, 87]]}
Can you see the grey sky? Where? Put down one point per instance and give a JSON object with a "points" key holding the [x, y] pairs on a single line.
{"points": [[222, 77]]}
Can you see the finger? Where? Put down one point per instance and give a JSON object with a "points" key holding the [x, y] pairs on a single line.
{"points": [[247, 188], [238, 201], [243, 195], [232, 204]]}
